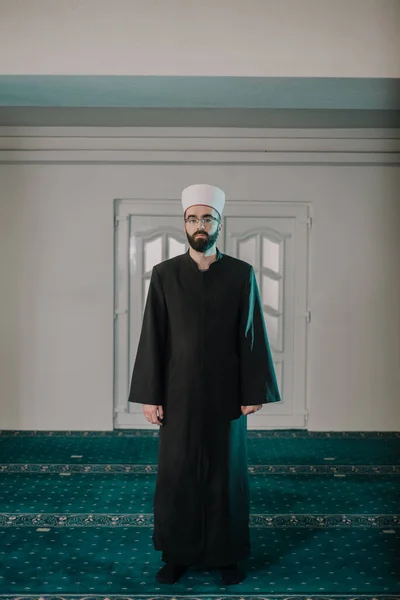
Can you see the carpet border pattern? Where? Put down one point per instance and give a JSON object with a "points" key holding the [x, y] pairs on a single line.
{"points": [[151, 469], [252, 433], [201, 597], [264, 521]]}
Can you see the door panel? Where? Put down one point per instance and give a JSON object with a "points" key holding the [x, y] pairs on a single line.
{"points": [[152, 239], [267, 244]]}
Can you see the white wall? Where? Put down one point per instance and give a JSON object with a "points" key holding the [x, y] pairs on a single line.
{"points": [[56, 273], [265, 38]]}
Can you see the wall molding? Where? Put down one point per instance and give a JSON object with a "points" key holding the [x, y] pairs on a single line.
{"points": [[132, 145]]}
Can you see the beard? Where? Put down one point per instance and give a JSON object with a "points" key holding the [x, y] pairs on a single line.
{"points": [[202, 244]]}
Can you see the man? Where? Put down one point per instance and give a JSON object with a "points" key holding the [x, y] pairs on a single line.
{"points": [[203, 364]]}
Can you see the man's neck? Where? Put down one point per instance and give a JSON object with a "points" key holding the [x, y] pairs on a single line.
{"points": [[204, 259]]}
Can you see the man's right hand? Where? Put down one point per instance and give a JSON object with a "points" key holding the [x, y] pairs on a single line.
{"points": [[153, 414]]}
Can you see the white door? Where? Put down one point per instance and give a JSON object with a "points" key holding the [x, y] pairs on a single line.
{"points": [[270, 236]]}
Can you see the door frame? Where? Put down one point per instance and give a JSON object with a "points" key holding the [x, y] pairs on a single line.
{"points": [[301, 213]]}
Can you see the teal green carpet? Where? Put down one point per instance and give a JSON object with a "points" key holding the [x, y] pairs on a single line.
{"points": [[140, 449], [124, 494], [76, 518], [122, 561]]}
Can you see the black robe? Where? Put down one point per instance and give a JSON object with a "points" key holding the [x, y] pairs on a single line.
{"points": [[203, 353]]}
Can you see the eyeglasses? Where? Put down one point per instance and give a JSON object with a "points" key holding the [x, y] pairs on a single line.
{"points": [[207, 221]]}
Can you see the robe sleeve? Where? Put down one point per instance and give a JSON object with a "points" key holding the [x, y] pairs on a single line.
{"points": [[257, 373], [148, 371]]}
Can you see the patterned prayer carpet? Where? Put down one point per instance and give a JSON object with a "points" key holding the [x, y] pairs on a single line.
{"points": [[76, 518]]}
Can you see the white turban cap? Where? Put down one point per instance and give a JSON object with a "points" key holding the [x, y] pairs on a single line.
{"points": [[201, 193]]}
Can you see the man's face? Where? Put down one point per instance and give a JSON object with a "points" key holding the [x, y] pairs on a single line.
{"points": [[201, 236]]}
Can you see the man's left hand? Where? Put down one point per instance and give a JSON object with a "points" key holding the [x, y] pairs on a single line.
{"points": [[247, 410]]}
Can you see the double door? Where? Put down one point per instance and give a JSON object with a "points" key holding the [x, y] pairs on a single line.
{"points": [[270, 236]]}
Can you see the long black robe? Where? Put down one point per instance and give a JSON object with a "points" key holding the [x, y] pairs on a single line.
{"points": [[203, 353]]}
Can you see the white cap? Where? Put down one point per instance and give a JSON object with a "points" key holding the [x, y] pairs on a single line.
{"points": [[201, 193]]}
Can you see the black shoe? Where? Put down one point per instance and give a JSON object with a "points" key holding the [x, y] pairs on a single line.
{"points": [[232, 574], [170, 573]]}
